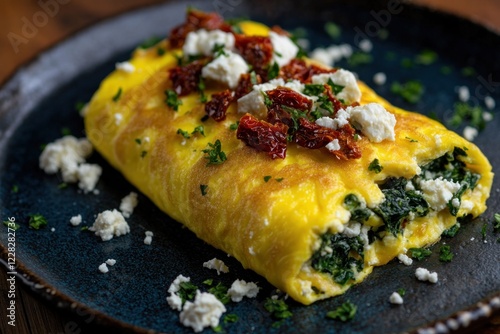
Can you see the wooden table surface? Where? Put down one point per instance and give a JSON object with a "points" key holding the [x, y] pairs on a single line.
{"points": [[69, 16]]}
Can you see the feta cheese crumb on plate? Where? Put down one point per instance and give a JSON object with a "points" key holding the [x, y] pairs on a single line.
{"points": [[216, 264], [109, 224], [240, 289], [110, 262], [405, 259], [76, 220], [103, 268], [396, 298], [128, 204], [149, 238], [424, 275], [470, 133], [204, 311], [379, 78], [174, 300]]}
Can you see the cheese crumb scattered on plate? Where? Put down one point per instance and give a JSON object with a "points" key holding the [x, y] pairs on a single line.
{"points": [[240, 289], [103, 268], [174, 301], [76, 220], [128, 204], [110, 262], [109, 224], [204, 311], [424, 275], [396, 298], [149, 238], [216, 264]]}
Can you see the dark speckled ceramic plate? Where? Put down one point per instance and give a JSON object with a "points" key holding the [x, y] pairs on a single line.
{"points": [[61, 265]]}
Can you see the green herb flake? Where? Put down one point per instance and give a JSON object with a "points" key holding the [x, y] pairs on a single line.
{"points": [[496, 223], [183, 133], [375, 166], [267, 178], [410, 91], [426, 57], [199, 129], [208, 282], [66, 131], [419, 253], [118, 94], [217, 329], [401, 292], [407, 63], [172, 99], [201, 89], [313, 89], [203, 188], [144, 153], [452, 231], [468, 71], [214, 153], [336, 89], [278, 308], [411, 140], [273, 71], [160, 51], [383, 34], [12, 225], [138, 141], [279, 179], [150, 42], [84, 228], [234, 126], [62, 185], [333, 30], [14, 189], [230, 318], [483, 230], [445, 70], [79, 106], [344, 312], [220, 291], [465, 112], [37, 221], [445, 254], [360, 58], [187, 291]]}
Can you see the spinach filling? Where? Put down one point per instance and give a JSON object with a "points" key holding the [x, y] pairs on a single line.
{"points": [[342, 256]]}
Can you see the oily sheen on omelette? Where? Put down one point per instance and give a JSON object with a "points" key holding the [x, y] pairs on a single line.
{"points": [[313, 222]]}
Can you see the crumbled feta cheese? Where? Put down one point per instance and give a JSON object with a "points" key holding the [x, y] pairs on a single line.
{"points": [[487, 116], [455, 202], [240, 289], [203, 42], [332, 54], [333, 145], [341, 119], [174, 301], [109, 224], [149, 238], [374, 121], [379, 78], [365, 45], [352, 229], [76, 220], [53, 229], [204, 311], [128, 204], [423, 274], [396, 298], [227, 69], [251, 251], [467, 205], [405, 259], [125, 66], [438, 192], [463, 93], [68, 155], [470, 133], [284, 48], [118, 118], [350, 93], [110, 262], [103, 268], [489, 102], [321, 55], [216, 264]]}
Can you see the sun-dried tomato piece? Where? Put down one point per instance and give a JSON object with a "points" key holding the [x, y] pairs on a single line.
{"points": [[284, 96], [335, 102], [314, 136], [263, 136], [217, 106], [245, 85], [196, 20], [280, 31], [185, 79], [256, 50], [297, 69]]}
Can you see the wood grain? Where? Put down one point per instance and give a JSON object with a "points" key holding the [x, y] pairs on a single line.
{"points": [[34, 315]]}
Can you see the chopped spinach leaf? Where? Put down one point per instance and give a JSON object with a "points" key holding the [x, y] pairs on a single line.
{"points": [[229, 318], [419, 253], [375, 166], [333, 30], [452, 231], [411, 91], [37, 221], [401, 292], [220, 291], [496, 223], [234, 126], [445, 254], [187, 291], [336, 89], [278, 308], [344, 312], [358, 211], [426, 57], [360, 58]]}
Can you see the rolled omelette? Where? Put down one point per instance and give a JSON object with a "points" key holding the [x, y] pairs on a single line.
{"points": [[311, 206]]}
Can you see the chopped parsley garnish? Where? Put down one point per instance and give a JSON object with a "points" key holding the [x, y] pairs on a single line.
{"points": [[220, 291], [420, 253], [344, 312], [66, 131], [160, 51], [118, 94], [84, 228], [12, 225], [267, 178], [218, 50], [144, 153], [336, 89], [401, 292], [187, 291], [138, 141], [234, 126], [215, 155], [199, 129], [267, 101], [360, 58], [375, 166], [37, 221], [333, 30], [496, 223], [426, 57], [14, 189], [151, 41], [203, 188], [411, 140], [468, 71], [278, 308], [253, 78], [445, 254], [183, 133], [273, 71], [204, 118], [339, 256], [201, 90], [208, 281], [483, 230], [279, 179], [313, 89], [62, 185], [411, 91], [358, 211], [452, 231], [172, 99], [466, 112], [230, 318]]}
